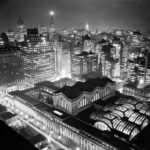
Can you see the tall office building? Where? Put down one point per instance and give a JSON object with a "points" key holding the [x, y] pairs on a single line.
{"points": [[63, 60], [21, 30], [124, 53], [139, 65], [136, 38], [88, 45], [84, 65], [39, 58], [11, 35], [52, 23], [1, 41], [42, 29], [11, 66], [110, 60]]}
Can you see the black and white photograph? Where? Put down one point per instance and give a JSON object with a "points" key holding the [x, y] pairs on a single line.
{"points": [[74, 74]]}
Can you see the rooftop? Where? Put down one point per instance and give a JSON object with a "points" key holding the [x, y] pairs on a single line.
{"points": [[2, 109], [66, 79], [20, 21], [51, 110], [98, 134], [39, 105], [122, 114], [6, 115], [135, 86], [38, 138], [25, 98], [7, 49], [80, 87], [47, 84], [85, 53]]}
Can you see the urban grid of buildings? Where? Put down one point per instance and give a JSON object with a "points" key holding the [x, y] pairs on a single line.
{"points": [[89, 89]]}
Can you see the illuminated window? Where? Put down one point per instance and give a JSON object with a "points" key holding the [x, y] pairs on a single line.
{"points": [[82, 103]]}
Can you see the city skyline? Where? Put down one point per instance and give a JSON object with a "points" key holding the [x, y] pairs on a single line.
{"points": [[75, 75], [99, 14]]}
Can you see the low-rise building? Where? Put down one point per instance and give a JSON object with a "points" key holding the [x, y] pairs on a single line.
{"points": [[143, 94], [98, 118], [80, 96]]}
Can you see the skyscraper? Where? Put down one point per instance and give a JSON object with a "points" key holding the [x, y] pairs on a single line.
{"points": [[52, 23], [21, 30], [11, 36], [11, 66], [39, 58], [84, 65]]}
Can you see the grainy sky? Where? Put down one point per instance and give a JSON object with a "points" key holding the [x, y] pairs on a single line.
{"points": [[75, 13]]}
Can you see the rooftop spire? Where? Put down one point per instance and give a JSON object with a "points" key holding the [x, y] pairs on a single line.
{"points": [[20, 21]]}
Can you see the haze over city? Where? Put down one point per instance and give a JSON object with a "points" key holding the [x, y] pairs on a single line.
{"points": [[102, 14]]}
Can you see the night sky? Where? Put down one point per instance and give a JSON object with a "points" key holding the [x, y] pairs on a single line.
{"points": [[76, 13]]}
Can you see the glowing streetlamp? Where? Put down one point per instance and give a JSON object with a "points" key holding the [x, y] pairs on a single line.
{"points": [[44, 127], [32, 120], [37, 123], [26, 116], [59, 137]]}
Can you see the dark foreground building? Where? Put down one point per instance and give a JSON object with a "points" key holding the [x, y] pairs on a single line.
{"points": [[10, 140]]}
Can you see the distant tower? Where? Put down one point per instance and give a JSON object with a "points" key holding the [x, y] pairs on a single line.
{"points": [[21, 29], [52, 24], [87, 27], [96, 32]]}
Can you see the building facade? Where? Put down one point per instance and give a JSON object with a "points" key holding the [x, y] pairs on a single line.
{"points": [[12, 69], [39, 59], [143, 94], [21, 30], [75, 99], [84, 65]]}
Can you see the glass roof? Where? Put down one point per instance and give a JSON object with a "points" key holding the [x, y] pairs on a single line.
{"points": [[125, 116]]}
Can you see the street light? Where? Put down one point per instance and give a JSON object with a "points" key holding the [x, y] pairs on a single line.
{"points": [[44, 127], [26, 116], [32, 120], [59, 137], [37, 123], [77, 148], [51, 132]]}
